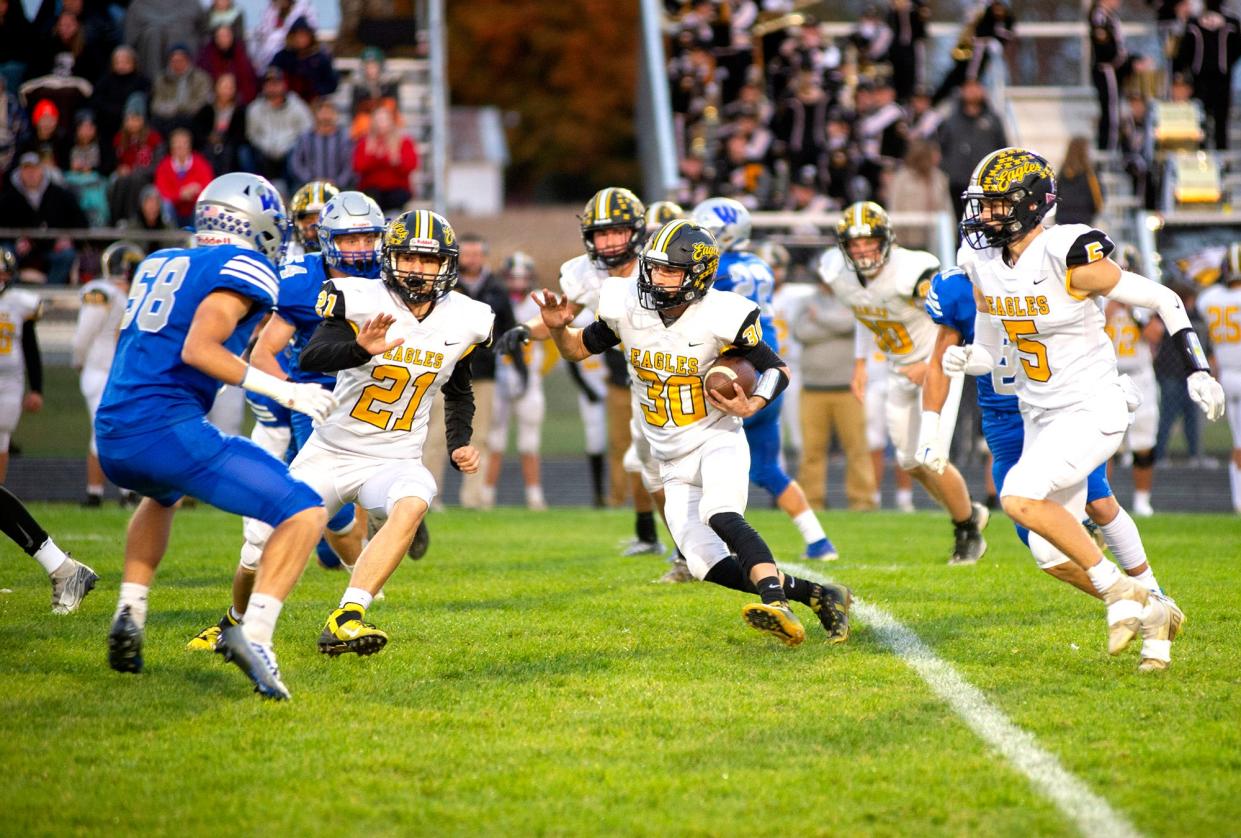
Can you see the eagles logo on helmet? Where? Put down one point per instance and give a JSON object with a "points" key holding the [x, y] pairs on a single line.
{"points": [[613, 208], [865, 220], [424, 233], [684, 246], [1010, 193], [305, 207]]}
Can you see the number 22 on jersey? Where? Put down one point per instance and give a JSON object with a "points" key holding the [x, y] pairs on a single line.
{"points": [[390, 384]]}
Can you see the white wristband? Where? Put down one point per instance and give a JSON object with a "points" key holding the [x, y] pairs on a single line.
{"points": [[257, 381]]}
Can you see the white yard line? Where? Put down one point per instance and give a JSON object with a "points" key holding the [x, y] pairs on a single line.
{"points": [[1091, 814]]}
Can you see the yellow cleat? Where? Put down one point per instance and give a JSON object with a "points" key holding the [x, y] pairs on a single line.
{"points": [[206, 640], [345, 631], [775, 618]]}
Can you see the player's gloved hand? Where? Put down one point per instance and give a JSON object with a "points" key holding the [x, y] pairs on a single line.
{"points": [[513, 339], [1133, 396], [930, 451], [311, 399], [967, 360], [1207, 393]]}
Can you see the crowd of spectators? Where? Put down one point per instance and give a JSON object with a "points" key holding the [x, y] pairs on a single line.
{"points": [[119, 114]]}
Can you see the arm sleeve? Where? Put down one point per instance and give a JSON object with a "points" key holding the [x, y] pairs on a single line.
{"points": [[332, 348], [762, 356], [987, 337], [458, 409], [34, 361], [598, 337]]}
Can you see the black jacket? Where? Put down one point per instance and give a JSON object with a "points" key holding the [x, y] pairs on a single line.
{"points": [[491, 292]]}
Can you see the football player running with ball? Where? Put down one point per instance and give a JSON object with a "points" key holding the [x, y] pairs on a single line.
{"points": [[394, 346], [673, 325], [885, 285], [1037, 286]]}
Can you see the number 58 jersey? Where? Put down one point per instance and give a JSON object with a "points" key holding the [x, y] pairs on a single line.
{"points": [[669, 361], [383, 406]]}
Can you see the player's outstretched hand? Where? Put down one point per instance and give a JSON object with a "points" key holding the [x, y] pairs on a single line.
{"points": [[466, 458], [557, 311], [373, 336], [739, 404], [311, 399], [514, 338], [1207, 394]]}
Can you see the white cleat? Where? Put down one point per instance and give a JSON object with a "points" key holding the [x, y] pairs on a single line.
{"points": [[1126, 605], [70, 585], [1160, 625]]}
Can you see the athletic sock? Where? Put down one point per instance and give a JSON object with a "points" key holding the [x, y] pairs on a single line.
{"points": [[1141, 498], [234, 614], [798, 590], [51, 557], [1234, 480], [1104, 575], [135, 596], [1147, 580], [1124, 540], [644, 527], [534, 497], [770, 590], [18, 524], [904, 498], [596, 477], [357, 596], [95, 491], [260, 621], [808, 525]]}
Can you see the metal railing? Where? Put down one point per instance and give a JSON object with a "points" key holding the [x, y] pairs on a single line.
{"points": [[656, 137]]}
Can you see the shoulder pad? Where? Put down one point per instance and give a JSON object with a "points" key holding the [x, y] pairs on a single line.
{"points": [[1088, 246], [331, 302]]}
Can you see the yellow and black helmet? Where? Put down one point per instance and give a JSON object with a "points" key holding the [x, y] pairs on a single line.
{"points": [[305, 207], [661, 212], [1232, 264], [1010, 193], [681, 245], [865, 220], [8, 267], [120, 260], [613, 207], [424, 232]]}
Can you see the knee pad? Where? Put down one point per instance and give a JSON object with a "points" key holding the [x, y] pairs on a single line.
{"points": [[1045, 555], [770, 476], [1144, 459]]}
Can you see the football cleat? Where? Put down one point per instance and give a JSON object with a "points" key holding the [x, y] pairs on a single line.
{"points": [[831, 604], [775, 618], [969, 544], [822, 551], [638, 547], [71, 586], [1096, 533], [125, 643], [421, 543], [257, 660], [1125, 603], [345, 631], [207, 639], [678, 573], [1160, 626]]}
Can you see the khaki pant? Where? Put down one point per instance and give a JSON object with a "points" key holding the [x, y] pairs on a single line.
{"points": [[472, 484], [619, 410], [822, 413]]}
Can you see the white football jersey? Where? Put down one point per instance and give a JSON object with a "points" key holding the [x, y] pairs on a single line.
{"points": [[1065, 354], [580, 281], [1220, 306], [786, 305], [17, 305], [890, 304], [383, 406], [99, 323], [1124, 327], [668, 362], [535, 351]]}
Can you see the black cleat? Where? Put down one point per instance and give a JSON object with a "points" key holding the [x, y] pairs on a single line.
{"points": [[257, 660], [125, 644], [831, 604], [421, 543], [969, 544]]}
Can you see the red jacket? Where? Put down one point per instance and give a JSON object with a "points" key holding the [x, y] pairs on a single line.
{"points": [[170, 183], [377, 171]]}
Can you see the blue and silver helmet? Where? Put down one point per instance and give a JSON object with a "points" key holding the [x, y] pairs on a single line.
{"points": [[350, 213], [245, 210]]}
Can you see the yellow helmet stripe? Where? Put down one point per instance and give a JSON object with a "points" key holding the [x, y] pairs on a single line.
{"points": [[661, 243], [428, 223], [602, 201]]}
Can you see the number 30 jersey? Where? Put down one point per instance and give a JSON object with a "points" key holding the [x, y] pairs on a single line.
{"points": [[149, 385], [1064, 356], [890, 303], [669, 361], [383, 406]]}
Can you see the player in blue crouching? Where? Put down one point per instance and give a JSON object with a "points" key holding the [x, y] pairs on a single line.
{"points": [[746, 274], [189, 314], [951, 305]]}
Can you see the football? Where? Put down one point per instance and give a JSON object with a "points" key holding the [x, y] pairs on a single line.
{"points": [[727, 370]]}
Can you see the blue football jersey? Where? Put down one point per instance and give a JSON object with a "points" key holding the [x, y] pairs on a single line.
{"points": [[746, 274], [301, 280], [950, 303], [149, 385]]}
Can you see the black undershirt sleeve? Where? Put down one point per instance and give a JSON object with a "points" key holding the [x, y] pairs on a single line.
{"points": [[34, 360], [599, 337], [332, 348], [762, 356], [458, 409]]}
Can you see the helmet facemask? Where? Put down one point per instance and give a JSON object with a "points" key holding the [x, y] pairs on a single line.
{"points": [[618, 254], [868, 261], [992, 220], [364, 263], [416, 287], [306, 230]]}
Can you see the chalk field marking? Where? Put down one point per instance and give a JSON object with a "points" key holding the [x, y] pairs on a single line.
{"points": [[1091, 814]]}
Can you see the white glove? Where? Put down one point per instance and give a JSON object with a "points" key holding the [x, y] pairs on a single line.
{"points": [[967, 360], [1207, 394], [310, 399], [930, 451], [1133, 396]]}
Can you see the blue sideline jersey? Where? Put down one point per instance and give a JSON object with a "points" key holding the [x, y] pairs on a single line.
{"points": [[746, 274], [150, 387], [951, 303], [301, 281]]}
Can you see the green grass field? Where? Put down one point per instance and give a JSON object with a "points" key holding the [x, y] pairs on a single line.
{"points": [[538, 684]]}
